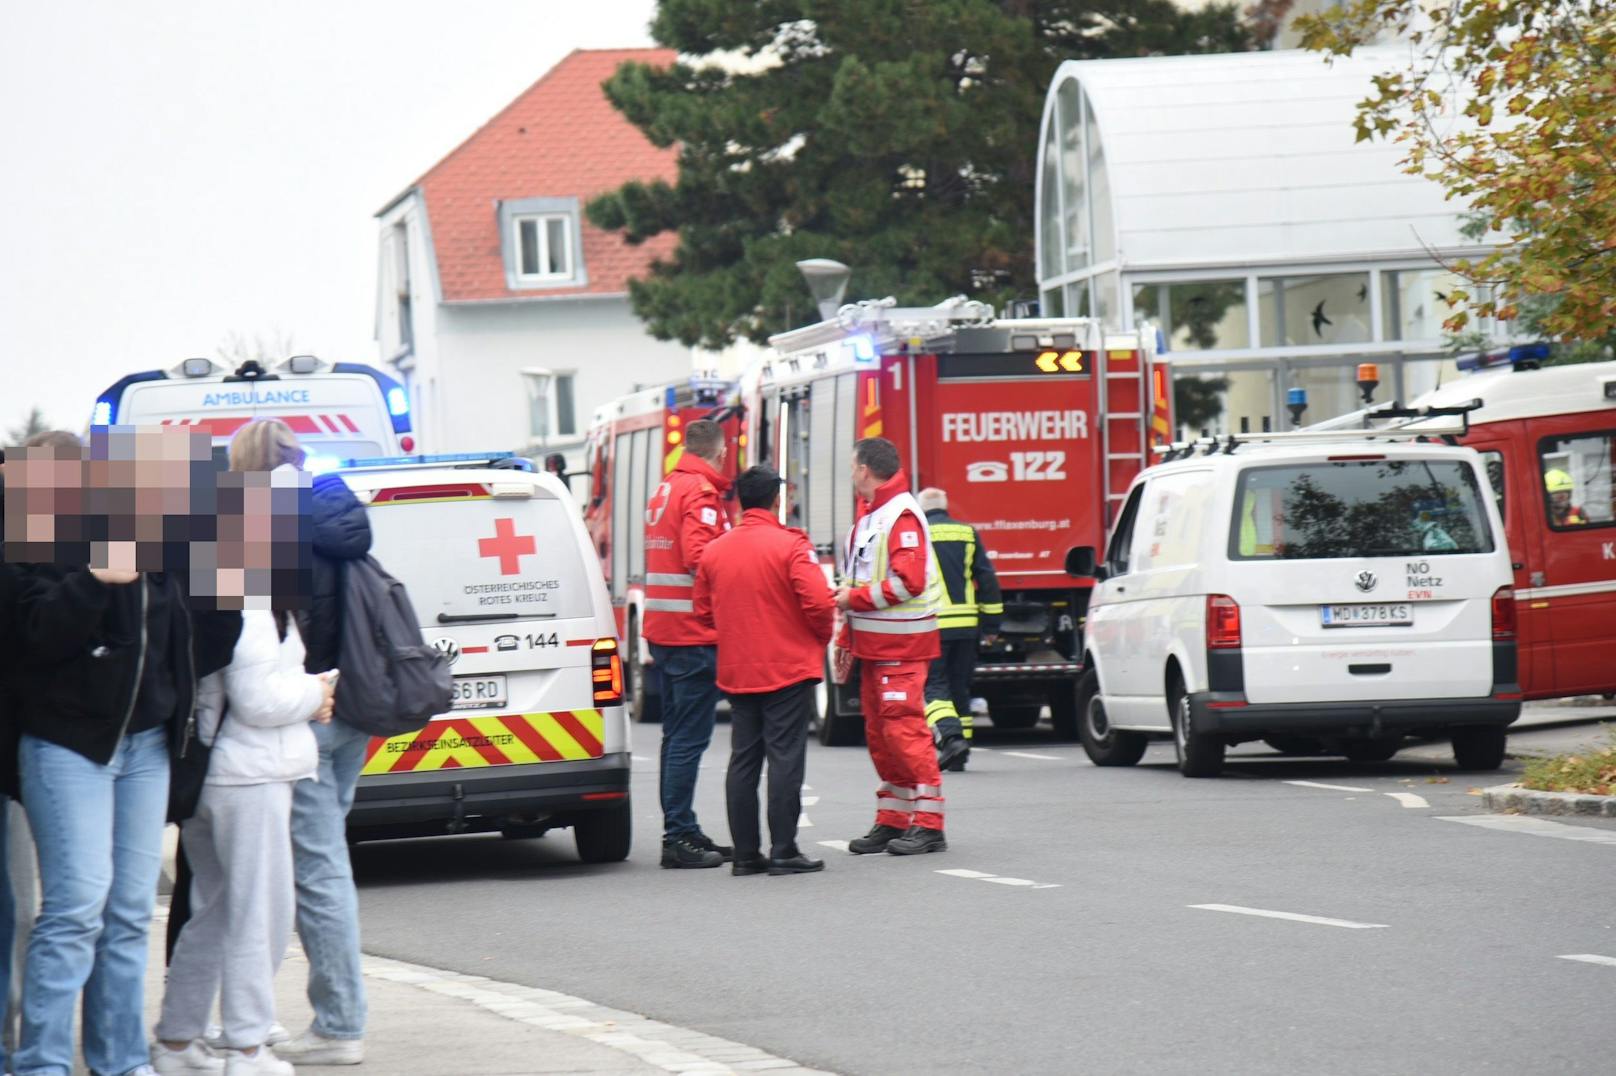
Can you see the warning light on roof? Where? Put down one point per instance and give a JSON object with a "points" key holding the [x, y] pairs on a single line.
{"points": [[1296, 403], [863, 350], [674, 437], [102, 415], [397, 402], [1368, 380]]}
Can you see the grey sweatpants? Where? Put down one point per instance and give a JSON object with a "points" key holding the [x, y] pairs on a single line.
{"points": [[242, 903]]}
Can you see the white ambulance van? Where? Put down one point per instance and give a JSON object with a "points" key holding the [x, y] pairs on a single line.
{"points": [[339, 411], [505, 583], [1345, 589]]}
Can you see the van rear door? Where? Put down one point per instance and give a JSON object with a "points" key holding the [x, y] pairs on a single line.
{"points": [[1365, 578], [495, 571]]}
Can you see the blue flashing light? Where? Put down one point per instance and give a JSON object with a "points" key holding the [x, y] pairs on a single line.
{"points": [[863, 349], [102, 415], [1161, 340], [1529, 353], [397, 402], [445, 457], [399, 411], [321, 464], [1295, 397]]}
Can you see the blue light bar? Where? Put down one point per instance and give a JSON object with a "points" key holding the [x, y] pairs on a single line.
{"points": [[445, 457], [1295, 396]]}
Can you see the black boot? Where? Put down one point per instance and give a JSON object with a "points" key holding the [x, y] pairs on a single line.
{"points": [[873, 841], [953, 753], [918, 841], [702, 841], [685, 854]]}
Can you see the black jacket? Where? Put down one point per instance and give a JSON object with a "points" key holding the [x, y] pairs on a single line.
{"points": [[972, 604], [341, 533]]}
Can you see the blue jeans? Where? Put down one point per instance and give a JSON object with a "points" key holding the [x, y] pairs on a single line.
{"points": [[689, 708], [8, 923], [99, 833], [327, 903]]}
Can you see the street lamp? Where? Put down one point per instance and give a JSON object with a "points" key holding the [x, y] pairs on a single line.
{"points": [[827, 280]]}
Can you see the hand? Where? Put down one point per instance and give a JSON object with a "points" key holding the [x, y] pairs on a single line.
{"points": [[328, 700], [114, 575], [842, 601], [841, 665]]}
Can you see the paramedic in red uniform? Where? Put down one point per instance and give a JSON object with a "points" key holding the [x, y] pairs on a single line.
{"points": [[891, 600], [762, 588], [684, 514]]}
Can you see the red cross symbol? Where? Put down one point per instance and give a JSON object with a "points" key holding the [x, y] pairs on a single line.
{"points": [[508, 546]]}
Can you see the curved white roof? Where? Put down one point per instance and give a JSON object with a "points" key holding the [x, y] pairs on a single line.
{"points": [[1249, 158], [1508, 394]]}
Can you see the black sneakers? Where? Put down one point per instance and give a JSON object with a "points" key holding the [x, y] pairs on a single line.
{"points": [[706, 843], [686, 854], [917, 841], [874, 841], [953, 753]]}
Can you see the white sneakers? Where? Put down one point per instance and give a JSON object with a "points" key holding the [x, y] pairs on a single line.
{"points": [[195, 1060], [313, 1048], [214, 1036], [261, 1063]]}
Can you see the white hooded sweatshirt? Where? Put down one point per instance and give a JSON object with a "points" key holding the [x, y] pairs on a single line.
{"points": [[266, 734]]}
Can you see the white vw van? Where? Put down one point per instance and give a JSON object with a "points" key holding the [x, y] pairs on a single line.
{"points": [[1335, 595], [505, 583]]}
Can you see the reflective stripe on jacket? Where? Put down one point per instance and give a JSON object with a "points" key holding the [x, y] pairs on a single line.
{"points": [[896, 589], [971, 600], [684, 514]]}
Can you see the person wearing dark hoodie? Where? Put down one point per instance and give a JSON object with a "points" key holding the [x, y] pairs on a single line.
{"points": [[327, 902], [105, 690]]}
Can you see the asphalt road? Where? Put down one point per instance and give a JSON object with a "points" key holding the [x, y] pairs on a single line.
{"points": [[1073, 940]]}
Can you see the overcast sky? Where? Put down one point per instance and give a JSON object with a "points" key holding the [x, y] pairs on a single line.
{"points": [[175, 171]]}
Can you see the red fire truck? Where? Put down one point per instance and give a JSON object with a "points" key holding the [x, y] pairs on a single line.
{"points": [[633, 442], [1034, 427]]}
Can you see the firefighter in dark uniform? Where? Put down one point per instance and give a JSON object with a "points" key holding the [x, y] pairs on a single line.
{"points": [[969, 615]]}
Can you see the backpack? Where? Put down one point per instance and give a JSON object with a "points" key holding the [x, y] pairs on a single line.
{"points": [[392, 682]]}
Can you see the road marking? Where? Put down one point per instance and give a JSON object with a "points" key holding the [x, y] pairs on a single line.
{"points": [[810, 801], [1297, 917], [803, 822], [642, 758], [1408, 799], [983, 876], [1029, 754], [1537, 827], [1332, 788], [989, 750], [1592, 958], [840, 846]]}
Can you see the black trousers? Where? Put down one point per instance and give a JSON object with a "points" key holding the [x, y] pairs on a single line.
{"points": [[949, 677], [774, 725]]}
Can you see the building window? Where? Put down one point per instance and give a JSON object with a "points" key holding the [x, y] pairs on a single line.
{"points": [[1415, 302], [543, 248], [1200, 315], [1302, 310], [401, 279], [552, 405]]}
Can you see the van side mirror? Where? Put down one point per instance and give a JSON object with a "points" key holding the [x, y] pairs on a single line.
{"points": [[1080, 561]]}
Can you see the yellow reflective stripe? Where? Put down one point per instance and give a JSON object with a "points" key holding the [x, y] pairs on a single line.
{"points": [[992, 608], [950, 532]]}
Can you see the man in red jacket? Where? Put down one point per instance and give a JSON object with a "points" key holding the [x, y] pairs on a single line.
{"points": [[892, 598], [762, 588], [684, 514]]}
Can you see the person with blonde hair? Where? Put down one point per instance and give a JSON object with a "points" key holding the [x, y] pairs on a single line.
{"points": [[327, 902]]}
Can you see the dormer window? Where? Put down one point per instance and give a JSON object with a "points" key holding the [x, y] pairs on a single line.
{"points": [[541, 241]]}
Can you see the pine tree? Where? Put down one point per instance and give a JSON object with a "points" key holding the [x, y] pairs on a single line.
{"points": [[897, 136]]}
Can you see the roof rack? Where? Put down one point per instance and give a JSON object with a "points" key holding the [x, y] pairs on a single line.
{"points": [[1402, 424], [509, 461]]}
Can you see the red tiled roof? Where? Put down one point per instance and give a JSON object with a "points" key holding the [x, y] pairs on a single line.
{"points": [[560, 139]]}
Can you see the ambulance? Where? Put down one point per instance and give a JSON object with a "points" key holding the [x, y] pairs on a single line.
{"points": [[342, 410], [634, 442], [1035, 427], [504, 582]]}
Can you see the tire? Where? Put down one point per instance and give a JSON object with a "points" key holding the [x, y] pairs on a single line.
{"points": [[1371, 750], [1295, 745], [645, 705], [1014, 715], [836, 729], [1105, 745], [1479, 747], [1199, 754], [604, 836], [1065, 712]]}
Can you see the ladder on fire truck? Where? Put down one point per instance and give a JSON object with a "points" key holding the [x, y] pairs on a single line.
{"points": [[1126, 408]]}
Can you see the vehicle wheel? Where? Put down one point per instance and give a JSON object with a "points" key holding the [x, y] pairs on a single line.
{"points": [[1105, 745], [604, 836], [837, 729], [1479, 747], [645, 705], [1065, 711], [1014, 715], [1199, 754], [1295, 745], [1371, 750]]}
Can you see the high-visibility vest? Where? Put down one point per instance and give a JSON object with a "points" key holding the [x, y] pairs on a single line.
{"points": [[868, 559], [968, 610]]}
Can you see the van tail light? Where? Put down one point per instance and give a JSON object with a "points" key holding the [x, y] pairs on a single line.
{"points": [[1504, 614], [606, 670], [1222, 622]]}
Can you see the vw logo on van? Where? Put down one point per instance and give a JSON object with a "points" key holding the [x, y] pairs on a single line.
{"points": [[448, 648], [1366, 581]]}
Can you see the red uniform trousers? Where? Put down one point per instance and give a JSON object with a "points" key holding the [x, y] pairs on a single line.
{"points": [[901, 746]]}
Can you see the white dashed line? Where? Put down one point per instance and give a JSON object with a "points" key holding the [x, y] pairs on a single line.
{"points": [[1408, 799], [1295, 917], [810, 801], [1331, 788], [1536, 827], [840, 846], [983, 876], [1029, 754], [642, 758], [803, 822], [1591, 958]]}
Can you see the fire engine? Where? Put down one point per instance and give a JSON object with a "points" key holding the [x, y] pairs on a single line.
{"points": [[1034, 426], [633, 442]]}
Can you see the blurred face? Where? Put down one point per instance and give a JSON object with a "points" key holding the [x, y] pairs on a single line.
{"points": [[1561, 501]]}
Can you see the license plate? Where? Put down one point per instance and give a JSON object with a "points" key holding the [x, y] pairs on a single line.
{"points": [[477, 692], [1366, 616]]}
